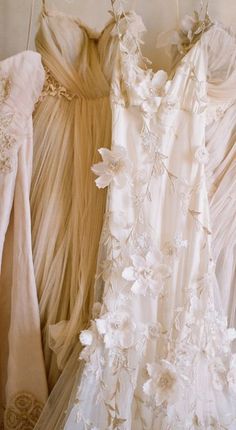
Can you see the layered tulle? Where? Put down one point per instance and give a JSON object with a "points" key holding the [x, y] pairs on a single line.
{"points": [[72, 120]]}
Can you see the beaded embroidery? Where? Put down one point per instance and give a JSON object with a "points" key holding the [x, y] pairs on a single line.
{"points": [[23, 412], [53, 88], [7, 141], [4, 89]]}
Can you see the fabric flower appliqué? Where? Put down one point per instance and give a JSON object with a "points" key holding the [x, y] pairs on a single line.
{"points": [[114, 167], [172, 248], [90, 340], [202, 155], [86, 337], [148, 274], [118, 330], [231, 377], [163, 383], [149, 92], [153, 331]]}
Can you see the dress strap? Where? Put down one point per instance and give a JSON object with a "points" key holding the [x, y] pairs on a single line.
{"points": [[204, 7], [44, 8], [30, 24]]}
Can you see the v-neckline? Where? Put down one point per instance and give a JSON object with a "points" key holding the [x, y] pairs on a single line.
{"points": [[91, 32]]}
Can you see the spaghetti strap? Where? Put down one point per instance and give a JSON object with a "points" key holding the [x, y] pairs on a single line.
{"points": [[44, 8], [30, 24]]}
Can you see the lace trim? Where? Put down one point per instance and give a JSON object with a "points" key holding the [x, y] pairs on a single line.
{"points": [[53, 88], [23, 412], [7, 141]]}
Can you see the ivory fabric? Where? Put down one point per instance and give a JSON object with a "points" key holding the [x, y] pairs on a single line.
{"points": [[158, 353], [22, 378], [221, 173], [72, 120], [220, 142]]}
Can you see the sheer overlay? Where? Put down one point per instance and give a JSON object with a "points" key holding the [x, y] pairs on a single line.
{"points": [[72, 120]]}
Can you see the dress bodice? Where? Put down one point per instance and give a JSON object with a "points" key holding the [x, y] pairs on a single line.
{"points": [[76, 56]]}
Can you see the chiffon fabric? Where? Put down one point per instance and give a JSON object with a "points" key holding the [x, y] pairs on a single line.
{"points": [[220, 168], [22, 373], [72, 120], [221, 176], [158, 353]]}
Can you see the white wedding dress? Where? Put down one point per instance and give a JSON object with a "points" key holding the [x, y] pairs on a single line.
{"points": [[158, 354]]}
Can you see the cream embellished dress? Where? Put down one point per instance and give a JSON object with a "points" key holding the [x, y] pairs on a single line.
{"points": [[23, 386], [158, 353]]}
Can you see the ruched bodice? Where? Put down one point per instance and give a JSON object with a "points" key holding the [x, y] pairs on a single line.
{"points": [[80, 59]]}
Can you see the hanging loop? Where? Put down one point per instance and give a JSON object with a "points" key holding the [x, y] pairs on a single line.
{"points": [[44, 9], [204, 6]]}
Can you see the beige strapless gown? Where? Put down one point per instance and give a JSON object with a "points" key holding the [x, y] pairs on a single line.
{"points": [[72, 120]]}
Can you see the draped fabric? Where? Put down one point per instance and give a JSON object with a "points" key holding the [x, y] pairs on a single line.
{"points": [[72, 120], [158, 353], [22, 374], [220, 169], [221, 172]]}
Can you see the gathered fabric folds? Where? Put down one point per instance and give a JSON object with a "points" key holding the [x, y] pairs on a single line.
{"points": [[220, 143], [221, 171], [72, 120]]}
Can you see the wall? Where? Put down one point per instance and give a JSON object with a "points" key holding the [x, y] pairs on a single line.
{"points": [[158, 15]]}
